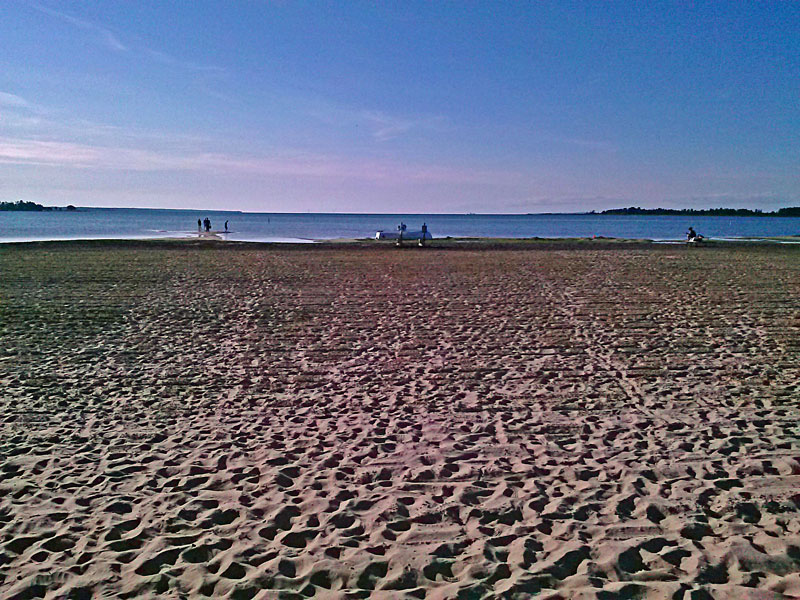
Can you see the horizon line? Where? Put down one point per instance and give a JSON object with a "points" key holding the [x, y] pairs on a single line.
{"points": [[487, 214]]}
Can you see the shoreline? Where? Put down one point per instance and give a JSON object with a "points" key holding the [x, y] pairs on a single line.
{"points": [[447, 242], [303, 228]]}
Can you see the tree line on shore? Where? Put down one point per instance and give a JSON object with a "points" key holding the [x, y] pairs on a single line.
{"points": [[23, 205], [793, 211]]}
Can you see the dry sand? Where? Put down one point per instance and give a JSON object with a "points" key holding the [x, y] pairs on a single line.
{"points": [[199, 420]]}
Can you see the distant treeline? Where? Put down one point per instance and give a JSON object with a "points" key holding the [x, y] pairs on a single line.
{"points": [[30, 206], [793, 211]]}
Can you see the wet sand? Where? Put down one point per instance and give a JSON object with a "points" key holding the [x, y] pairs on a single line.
{"points": [[560, 421]]}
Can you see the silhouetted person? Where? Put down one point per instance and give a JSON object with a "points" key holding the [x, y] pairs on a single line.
{"points": [[207, 223], [424, 234], [199, 225], [226, 227]]}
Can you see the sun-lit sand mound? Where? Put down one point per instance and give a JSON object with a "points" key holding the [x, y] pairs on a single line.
{"points": [[239, 422]]}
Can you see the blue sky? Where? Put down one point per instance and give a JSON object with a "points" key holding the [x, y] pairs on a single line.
{"points": [[400, 106]]}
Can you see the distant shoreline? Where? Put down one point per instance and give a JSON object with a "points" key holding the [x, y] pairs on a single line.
{"points": [[23, 206], [793, 211]]}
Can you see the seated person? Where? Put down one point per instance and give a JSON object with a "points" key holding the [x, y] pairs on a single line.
{"points": [[692, 236]]}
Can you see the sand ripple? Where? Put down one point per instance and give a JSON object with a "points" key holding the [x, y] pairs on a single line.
{"points": [[190, 422]]}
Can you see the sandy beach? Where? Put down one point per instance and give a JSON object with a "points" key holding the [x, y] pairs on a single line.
{"points": [[562, 420]]}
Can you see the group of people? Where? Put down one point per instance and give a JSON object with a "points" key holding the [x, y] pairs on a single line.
{"points": [[206, 223], [402, 229]]}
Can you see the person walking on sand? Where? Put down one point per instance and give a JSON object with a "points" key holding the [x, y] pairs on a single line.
{"points": [[424, 234]]}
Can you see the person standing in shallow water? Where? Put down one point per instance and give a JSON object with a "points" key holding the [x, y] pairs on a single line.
{"points": [[207, 223], [199, 225], [226, 227]]}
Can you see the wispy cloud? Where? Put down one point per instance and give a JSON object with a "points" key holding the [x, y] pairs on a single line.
{"points": [[297, 164], [382, 126], [36, 152], [388, 127], [104, 34], [107, 36], [27, 120], [171, 61], [13, 101], [18, 113]]}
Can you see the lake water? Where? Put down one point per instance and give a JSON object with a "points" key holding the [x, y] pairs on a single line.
{"points": [[130, 223]]}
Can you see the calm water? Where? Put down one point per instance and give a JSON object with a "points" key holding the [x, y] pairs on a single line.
{"points": [[103, 223]]}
